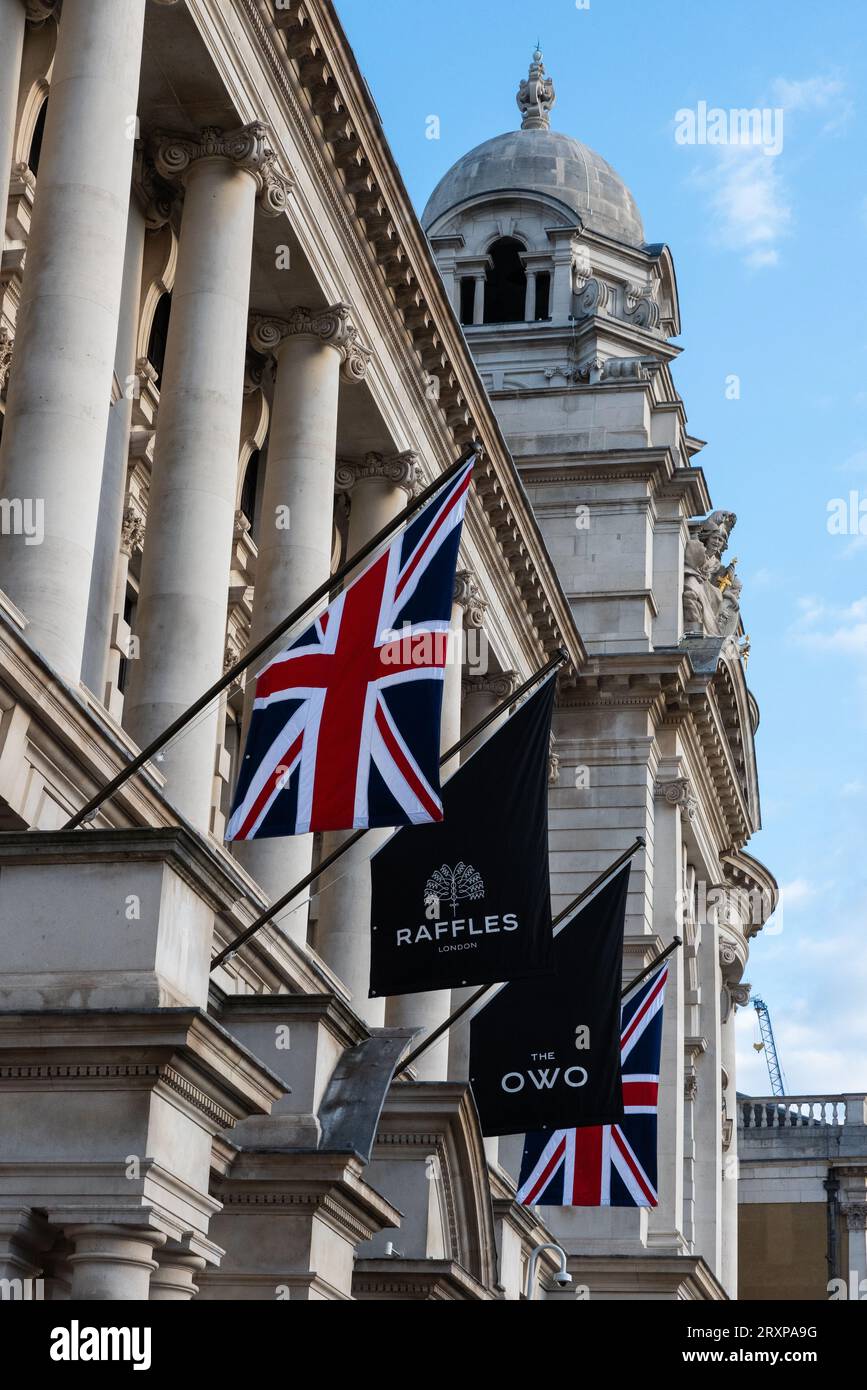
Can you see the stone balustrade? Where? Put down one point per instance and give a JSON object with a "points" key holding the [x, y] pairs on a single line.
{"points": [[807, 1112]]}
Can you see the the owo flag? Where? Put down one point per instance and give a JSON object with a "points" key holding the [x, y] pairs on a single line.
{"points": [[545, 1053], [345, 730], [608, 1165], [467, 901]]}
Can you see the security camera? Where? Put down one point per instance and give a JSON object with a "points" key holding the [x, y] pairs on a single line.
{"points": [[563, 1278]]}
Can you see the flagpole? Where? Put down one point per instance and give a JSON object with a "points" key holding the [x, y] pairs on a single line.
{"points": [[483, 989], [649, 969], [558, 660], [327, 588]]}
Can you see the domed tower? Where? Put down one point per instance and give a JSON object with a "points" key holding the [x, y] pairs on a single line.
{"points": [[570, 315]]}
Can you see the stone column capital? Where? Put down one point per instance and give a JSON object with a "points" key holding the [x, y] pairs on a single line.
{"points": [[331, 326], [677, 791], [397, 470], [247, 148], [468, 595], [498, 684], [856, 1216]]}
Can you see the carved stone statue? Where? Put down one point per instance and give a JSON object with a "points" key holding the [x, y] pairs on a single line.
{"points": [[711, 590]]}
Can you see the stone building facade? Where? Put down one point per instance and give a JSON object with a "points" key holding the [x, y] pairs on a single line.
{"points": [[229, 354]]}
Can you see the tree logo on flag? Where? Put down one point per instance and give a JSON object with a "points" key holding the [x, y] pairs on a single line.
{"points": [[452, 886]]}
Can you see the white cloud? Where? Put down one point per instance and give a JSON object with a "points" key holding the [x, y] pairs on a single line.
{"points": [[750, 206], [826, 94], [829, 628], [796, 892], [856, 788]]}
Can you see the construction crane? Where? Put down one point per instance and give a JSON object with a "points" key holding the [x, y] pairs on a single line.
{"points": [[769, 1047]]}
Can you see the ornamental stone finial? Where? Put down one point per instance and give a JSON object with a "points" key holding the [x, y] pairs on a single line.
{"points": [[246, 147], [331, 326], [536, 96]]}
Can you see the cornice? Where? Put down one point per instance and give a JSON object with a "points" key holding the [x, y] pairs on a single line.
{"points": [[408, 292]]}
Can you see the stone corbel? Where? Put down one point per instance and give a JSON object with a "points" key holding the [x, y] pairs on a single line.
{"points": [[247, 147], [331, 325], [591, 299]]}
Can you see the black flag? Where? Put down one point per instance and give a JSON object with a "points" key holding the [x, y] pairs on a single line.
{"points": [[467, 901], [545, 1053]]}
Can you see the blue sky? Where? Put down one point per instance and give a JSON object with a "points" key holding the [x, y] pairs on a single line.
{"points": [[769, 252]]}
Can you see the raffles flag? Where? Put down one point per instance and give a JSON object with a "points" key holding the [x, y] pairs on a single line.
{"points": [[608, 1165], [545, 1053], [345, 731], [467, 902]]}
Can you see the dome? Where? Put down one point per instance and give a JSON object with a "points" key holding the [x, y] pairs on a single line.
{"points": [[545, 161]]}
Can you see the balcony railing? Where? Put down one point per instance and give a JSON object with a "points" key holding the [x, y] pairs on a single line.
{"points": [[800, 1112]]}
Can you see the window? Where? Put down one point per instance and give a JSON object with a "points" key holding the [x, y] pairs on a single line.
{"points": [[159, 335], [249, 487], [36, 139], [506, 283], [543, 296], [468, 298]]}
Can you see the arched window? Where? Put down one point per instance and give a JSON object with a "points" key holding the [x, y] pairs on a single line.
{"points": [[505, 283], [36, 139], [159, 335], [249, 488]]}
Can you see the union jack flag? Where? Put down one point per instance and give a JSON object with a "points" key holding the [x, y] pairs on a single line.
{"points": [[608, 1165], [345, 730]]}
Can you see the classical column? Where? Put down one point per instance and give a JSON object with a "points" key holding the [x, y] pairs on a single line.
{"points": [[530, 297], [173, 1280], [735, 995], [60, 384], [379, 489], [482, 695], [102, 579], [312, 348], [430, 1009], [181, 621], [112, 1263]]}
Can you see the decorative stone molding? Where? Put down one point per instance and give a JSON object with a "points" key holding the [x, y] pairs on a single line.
{"points": [[678, 792], [132, 531], [740, 994], [331, 326], [856, 1216], [156, 196], [690, 1083], [6, 344], [468, 595], [536, 96], [399, 470], [38, 11], [553, 761], [247, 147]]}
